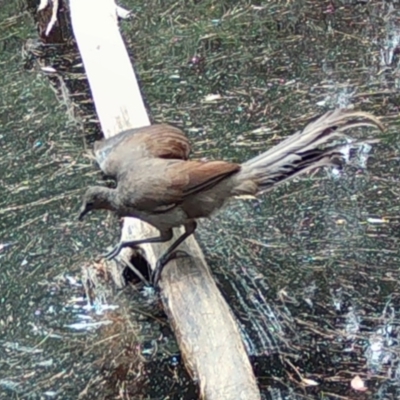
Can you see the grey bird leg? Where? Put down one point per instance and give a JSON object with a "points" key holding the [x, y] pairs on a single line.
{"points": [[171, 254], [164, 237]]}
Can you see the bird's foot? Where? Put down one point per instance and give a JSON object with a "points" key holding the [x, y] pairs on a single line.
{"points": [[117, 249], [114, 252], [162, 262]]}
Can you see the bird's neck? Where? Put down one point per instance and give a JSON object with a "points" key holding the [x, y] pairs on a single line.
{"points": [[110, 199]]}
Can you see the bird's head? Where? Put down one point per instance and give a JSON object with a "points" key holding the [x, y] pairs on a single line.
{"points": [[95, 198]]}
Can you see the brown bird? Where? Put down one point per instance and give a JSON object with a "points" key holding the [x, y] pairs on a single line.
{"points": [[154, 141], [168, 193]]}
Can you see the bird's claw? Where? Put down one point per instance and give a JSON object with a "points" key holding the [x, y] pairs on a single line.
{"points": [[114, 252], [162, 262]]}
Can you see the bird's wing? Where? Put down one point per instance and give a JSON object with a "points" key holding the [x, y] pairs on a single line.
{"points": [[159, 188], [154, 141], [201, 175]]}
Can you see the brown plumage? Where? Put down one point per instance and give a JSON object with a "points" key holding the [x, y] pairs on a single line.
{"points": [[168, 193], [154, 141]]}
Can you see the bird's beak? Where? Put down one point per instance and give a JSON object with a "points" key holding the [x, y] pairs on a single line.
{"points": [[83, 212]]}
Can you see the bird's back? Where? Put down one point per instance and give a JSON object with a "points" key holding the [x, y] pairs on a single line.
{"points": [[154, 141]]}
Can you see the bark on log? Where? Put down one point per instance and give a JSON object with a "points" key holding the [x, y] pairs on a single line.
{"points": [[204, 325]]}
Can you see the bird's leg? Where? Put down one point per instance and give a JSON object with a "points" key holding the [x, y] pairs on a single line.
{"points": [[164, 237], [170, 254]]}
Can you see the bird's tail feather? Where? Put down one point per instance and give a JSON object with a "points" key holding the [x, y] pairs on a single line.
{"points": [[310, 148]]}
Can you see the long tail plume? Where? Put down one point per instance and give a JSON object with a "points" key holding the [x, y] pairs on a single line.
{"points": [[312, 147]]}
